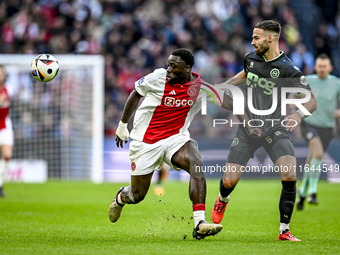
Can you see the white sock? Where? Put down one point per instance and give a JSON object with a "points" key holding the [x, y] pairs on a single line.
{"points": [[3, 171], [119, 198], [224, 199], [198, 216], [128, 197], [283, 227]]}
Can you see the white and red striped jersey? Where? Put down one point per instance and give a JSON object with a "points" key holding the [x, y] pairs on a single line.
{"points": [[4, 106], [168, 109]]}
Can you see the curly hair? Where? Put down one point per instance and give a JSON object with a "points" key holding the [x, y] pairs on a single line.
{"points": [[186, 55]]}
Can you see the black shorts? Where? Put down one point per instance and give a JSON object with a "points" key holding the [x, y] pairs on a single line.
{"points": [[277, 144], [309, 131]]}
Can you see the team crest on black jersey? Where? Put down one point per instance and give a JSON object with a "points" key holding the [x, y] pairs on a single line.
{"points": [[235, 142], [275, 73]]}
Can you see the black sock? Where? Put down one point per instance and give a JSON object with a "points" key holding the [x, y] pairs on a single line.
{"points": [[159, 181], [224, 191], [287, 200]]}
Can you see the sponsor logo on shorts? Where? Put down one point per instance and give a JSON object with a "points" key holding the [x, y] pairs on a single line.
{"points": [[278, 133], [235, 142], [133, 166], [309, 135]]}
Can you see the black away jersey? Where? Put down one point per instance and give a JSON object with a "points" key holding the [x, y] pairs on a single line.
{"points": [[263, 76]]}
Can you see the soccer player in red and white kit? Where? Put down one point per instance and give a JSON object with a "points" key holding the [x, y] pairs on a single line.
{"points": [[172, 97], [6, 131]]}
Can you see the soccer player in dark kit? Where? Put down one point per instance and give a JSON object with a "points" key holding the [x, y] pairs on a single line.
{"points": [[267, 71]]}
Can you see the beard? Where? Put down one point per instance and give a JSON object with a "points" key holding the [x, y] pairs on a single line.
{"points": [[262, 49]]}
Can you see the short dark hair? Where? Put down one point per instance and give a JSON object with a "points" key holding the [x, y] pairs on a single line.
{"points": [[186, 55], [269, 25], [324, 56]]}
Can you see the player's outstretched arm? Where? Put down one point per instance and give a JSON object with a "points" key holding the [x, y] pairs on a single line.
{"points": [[237, 79], [228, 104], [122, 133], [297, 116]]}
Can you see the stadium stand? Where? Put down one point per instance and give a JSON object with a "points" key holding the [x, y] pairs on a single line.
{"points": [[135, 36]]}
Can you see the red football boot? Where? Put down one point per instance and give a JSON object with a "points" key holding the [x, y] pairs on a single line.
{"points": [[287, 236], [218, 211]]}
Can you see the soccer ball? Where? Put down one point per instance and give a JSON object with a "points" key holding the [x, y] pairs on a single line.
{"points": [[44, 67]]}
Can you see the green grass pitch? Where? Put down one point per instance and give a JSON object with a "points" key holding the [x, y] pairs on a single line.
{"points": [[72, 218]]}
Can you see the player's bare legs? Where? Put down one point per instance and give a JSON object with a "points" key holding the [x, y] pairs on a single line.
{"points": [[311, 177], [189, 159], [132, 194], [287, 165], [229, 181], [138, 189], [162, 176], [6, 151]]}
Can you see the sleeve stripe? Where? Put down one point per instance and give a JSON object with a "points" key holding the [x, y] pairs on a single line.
{"points": [[211, 88], [208, 92]]}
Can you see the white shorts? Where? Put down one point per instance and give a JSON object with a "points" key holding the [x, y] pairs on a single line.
{"points": [[146, 158], [6, 134]]}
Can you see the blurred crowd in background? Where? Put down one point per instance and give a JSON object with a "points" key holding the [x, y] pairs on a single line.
{"points": [[137, 36]]}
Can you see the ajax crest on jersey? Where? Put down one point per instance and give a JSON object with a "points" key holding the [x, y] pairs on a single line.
{"points": [[45, 67]]}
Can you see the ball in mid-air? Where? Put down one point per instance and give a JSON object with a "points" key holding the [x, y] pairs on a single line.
{"points": [[45, 67]]}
